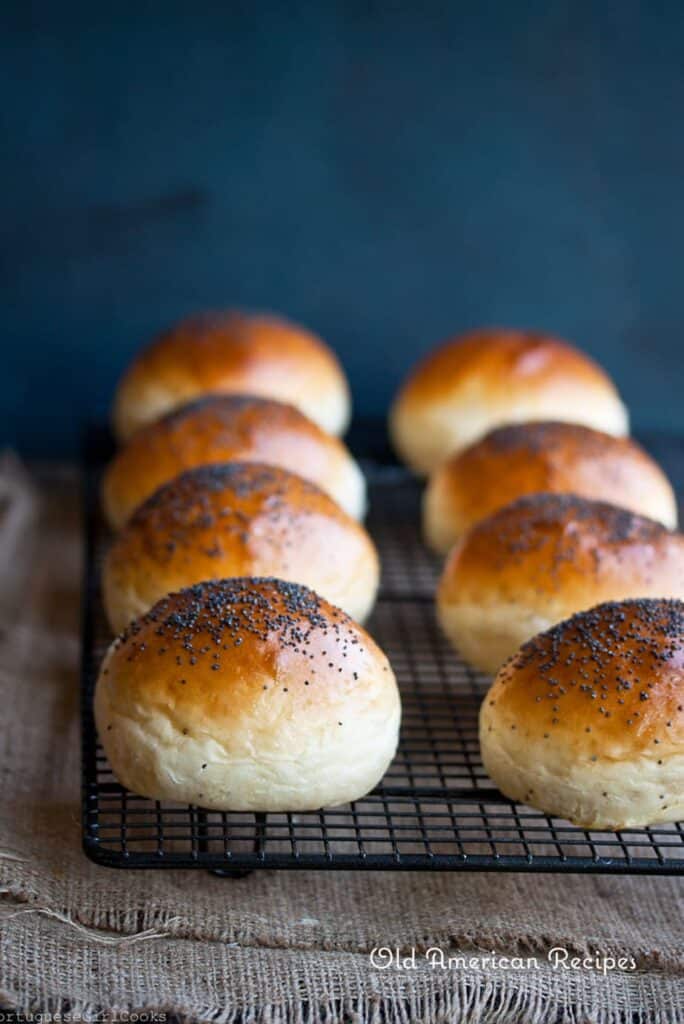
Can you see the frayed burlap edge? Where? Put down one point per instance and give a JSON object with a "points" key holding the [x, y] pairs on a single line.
{"points": [[49, 968]]}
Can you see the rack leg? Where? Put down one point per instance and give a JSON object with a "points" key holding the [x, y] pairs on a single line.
{"points": [[203, 846], [231, 872]]}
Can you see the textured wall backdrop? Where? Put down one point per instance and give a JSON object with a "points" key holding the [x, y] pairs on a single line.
{"points": [[387, 173]]}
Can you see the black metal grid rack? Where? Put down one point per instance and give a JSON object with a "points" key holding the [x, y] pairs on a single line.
{"points": [[435, 808]]}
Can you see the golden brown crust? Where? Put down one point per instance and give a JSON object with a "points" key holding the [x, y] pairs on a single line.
{"points": [[215, 642], [507, 359], [232, 353], [247, 694], [222, 429], [238, 519], [489, 378], [529, 458], [566, 548], [609, 683]]}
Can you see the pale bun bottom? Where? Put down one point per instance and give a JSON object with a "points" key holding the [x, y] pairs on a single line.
{"points": [[486, 636], [610, 795]]}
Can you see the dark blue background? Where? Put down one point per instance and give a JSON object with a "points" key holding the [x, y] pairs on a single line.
{"points": [[386, 173]]}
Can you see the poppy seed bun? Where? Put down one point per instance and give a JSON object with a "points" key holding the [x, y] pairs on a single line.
{"points": [[231, 353], [487, 378], [247, 695], [529, 458], [238, 519], [228, 429], [586, 722], [542, 559]]}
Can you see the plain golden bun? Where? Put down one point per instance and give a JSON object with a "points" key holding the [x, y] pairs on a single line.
{"points": [[227, 429], [228, 353], [540, 560], [238, 519], [587, 721], [528, 458], [487, 378], [247, 695]]}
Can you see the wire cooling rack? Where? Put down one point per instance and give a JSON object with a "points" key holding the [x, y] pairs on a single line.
{"points": [[435, 809]]}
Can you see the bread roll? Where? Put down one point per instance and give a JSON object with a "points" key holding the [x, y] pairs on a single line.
{"points": [[487, 378], [232, 353], [543, 558], [227, 429], [238, 519], [247, 695], [532, 457], [586, 722]]}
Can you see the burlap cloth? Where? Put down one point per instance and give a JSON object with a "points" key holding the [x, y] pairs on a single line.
{"points": [[273, 947]]}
